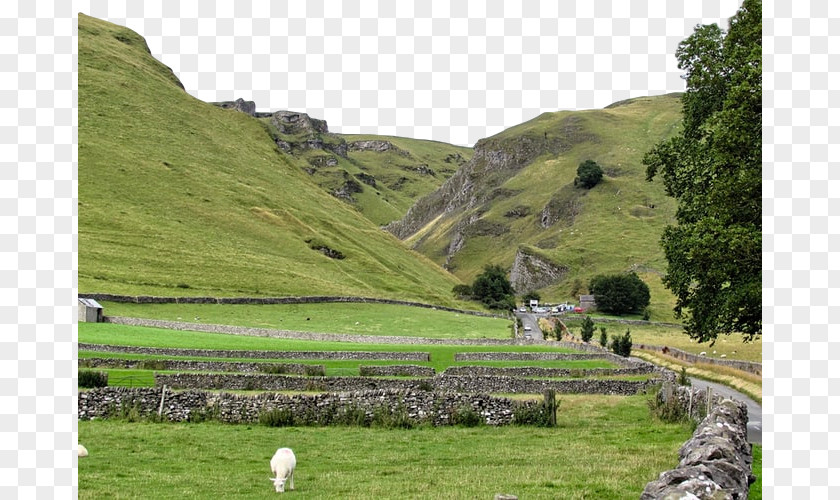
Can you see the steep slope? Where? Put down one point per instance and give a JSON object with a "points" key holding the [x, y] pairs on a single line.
{"points": [[180, 197], [515, 203]]}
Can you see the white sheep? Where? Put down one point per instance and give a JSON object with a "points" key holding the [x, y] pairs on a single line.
{"points": [[82, 451], [283, 467]]}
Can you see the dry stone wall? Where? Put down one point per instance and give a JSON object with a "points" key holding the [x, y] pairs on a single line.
{"points": [[183, 406], [535, 372], [442, 383], [715, 463], [213, 353], [396, 371], [747, 366], [206, 366]]}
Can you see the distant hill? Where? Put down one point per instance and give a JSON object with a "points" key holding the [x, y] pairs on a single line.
{"points": [[181, 197], [515, 203]]}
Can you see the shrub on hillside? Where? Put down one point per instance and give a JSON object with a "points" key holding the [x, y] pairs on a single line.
{"points": [[589, 174], [603, 339], [620, 293], [91, 379]]}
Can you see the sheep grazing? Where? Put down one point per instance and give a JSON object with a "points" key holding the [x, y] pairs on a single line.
{"points": [[82, 451], [283, 467]]}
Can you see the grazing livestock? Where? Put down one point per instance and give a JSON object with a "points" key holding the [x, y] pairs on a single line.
{"points": [[283, 467], [82, 451]]}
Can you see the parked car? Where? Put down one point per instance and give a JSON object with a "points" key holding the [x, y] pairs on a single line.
{"points": [[523, 309], [578, 309], [527, 328]]}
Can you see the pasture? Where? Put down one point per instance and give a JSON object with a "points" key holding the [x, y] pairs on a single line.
{"points": [[349, 318], [603, 447]]}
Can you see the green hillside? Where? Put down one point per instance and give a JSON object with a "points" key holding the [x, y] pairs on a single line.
{"points": [[180, 197], [517, 195]]}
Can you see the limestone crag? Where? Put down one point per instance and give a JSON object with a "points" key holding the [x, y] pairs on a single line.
{"points": [[495, 161], [247, 107], [532, 272]]}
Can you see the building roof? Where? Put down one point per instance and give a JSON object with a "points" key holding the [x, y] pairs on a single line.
{"points": [[89, 303]]}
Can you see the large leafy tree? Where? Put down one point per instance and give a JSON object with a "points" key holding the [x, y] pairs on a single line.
{"points": [[713, 169], [493, 288], [620, 293]]}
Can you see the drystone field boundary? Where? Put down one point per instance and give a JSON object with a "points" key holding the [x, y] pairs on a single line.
{"points": [[147, 299], [483, 384], [747, 366], [318, 409], [716, 462], [214, 353]]}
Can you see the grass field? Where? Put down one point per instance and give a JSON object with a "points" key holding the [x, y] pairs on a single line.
{"points": [[604, 447], [732, 345], [350, 318], [190, 199], [442, 356]]}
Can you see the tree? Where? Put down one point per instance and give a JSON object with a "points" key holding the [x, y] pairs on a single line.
{"points": [[603, 339], [620, 293], [587, 329], [713, 169], [589, 174], [493, 288], [622, 345]]}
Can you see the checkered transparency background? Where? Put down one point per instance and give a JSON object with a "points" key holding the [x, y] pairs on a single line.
{"points": [[425, 70]]}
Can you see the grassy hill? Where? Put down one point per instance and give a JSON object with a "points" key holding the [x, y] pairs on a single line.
{"points": [[180, 197], [517, 195]]}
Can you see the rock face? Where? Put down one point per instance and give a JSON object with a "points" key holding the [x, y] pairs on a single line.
{"points": [[247, 107], [531, 272], [716, 463], [495, 161], [377, 146]]}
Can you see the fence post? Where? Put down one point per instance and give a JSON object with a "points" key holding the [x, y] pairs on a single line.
{"points": [[162, 396], [708, 400], [551, 407]]}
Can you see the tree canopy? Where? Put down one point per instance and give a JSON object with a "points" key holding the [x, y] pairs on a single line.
{"points": [[620, 293], [493, 288], [713, 169]]}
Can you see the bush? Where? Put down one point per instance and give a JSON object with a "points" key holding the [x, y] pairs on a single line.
{"points": [[466, 416], [683, 378], [462, 291], [587, 329], [603, 339], [539, 414], [589, 174], [620, 293], [277, 418], [91, 379], [528, 297]]}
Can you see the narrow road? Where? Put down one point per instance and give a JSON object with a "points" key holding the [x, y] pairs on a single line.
{"points": [[530, 319], [753, 408]]}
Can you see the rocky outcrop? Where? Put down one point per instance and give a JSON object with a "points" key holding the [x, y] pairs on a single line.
{"points": [[495, 161], [716, 463], [292, 123], [247, 107], [531, 272], [376, 146]]}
